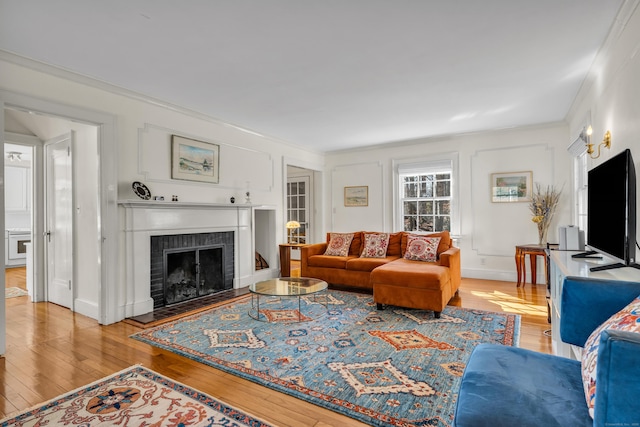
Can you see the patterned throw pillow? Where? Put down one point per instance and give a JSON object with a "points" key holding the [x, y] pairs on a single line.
{"points": [[375, 245], [339, 244], [422, 248], [627, 319]]}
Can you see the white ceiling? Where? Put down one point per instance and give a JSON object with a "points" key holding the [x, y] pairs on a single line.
{"points": [[328, 74]]}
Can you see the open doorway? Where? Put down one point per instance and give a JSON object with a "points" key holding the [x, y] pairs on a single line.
{"points": [[18, 206], [62, 200], [94, 200]]}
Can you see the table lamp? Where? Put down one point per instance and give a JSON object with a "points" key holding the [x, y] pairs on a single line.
{"points": [[292, 225]]}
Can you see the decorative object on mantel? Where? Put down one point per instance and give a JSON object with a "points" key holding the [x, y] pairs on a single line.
{"points": [[193, 160], [292, 225], [247, 198], [141, 190], [543, 206], [174, 198], [232, 199]]}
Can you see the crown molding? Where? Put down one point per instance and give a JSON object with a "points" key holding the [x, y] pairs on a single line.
{"points": [[83, 79]]}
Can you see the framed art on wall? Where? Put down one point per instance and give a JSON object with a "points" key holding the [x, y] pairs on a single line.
{"points": [[194, 160], [511, 187], [356, 196]]}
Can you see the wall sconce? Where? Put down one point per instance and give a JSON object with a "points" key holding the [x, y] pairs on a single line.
{"points": [[14, 155], [292, 225], [585, 135]]}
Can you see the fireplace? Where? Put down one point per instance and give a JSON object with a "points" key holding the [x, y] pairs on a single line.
{"points": [[189, 266], [149, 224]]}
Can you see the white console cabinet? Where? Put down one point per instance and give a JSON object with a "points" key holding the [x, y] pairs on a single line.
{"points": [[562, 265]]}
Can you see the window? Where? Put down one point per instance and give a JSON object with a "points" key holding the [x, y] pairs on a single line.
{"points": [[426, 195], [578, 150], [580, 188]]}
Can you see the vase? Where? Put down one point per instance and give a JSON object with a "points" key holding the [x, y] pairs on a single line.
{"points": [[542, 234]]}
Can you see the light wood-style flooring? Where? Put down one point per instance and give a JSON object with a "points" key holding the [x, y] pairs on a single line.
{"points": [[51, 350]]}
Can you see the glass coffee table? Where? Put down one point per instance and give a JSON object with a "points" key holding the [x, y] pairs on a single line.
{"points": [[298, 287]]}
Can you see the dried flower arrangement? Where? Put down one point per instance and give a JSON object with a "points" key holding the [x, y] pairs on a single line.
{"points": [[543, 206]]}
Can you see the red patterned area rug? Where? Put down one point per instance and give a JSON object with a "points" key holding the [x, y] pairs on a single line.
{"points": [[135, 396], [396, 367]]}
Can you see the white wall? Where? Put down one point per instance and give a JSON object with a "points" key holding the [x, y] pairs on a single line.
{"points": [[488, 232], [359, 173], [610, 97], [143, 145]]}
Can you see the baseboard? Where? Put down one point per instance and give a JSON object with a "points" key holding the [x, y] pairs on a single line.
{"points": [[474, 273], [502, 275], [86, 308], [138, 308]]}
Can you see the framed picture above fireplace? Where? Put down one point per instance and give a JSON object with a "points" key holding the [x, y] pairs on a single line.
{"points": [[194, 160]]}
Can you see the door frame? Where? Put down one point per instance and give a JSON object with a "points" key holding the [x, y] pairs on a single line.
{"points": [[108, 311]]}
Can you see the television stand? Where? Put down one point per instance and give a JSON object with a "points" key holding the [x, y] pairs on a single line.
{"points": [[613, 266], [587, 255], [607, 267]]}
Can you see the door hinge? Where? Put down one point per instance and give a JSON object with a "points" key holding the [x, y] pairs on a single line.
{"points": [[68, 151], [69, 284]]}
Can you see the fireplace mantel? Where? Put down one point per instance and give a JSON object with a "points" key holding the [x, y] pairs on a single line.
{"points": [[143, 219], [151, 204]]}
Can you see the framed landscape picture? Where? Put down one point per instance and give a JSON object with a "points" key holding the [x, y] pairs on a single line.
{"points": [[511, 187], [356, 196], [194, 160]]}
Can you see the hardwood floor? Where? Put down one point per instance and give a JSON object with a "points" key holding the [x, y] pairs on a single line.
{"points": [[16, 277], [51, 350]]}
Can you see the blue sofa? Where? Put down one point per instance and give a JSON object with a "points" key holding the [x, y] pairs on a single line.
{"points": [[506, 386]]}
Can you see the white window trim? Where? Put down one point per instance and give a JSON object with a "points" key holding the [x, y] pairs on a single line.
{"points": [[413, 163], [578, 150]]}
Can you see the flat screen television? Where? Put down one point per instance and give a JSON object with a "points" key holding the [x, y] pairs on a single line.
{"points": [[611, 211]]}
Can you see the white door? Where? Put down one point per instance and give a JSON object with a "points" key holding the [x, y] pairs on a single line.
{"points": [[298, 198], [59, 220]]}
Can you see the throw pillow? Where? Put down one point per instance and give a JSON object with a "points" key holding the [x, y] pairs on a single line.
{"points": [[422, 248], [627, 319], [339, 244], [375, 245], [445, 240]]}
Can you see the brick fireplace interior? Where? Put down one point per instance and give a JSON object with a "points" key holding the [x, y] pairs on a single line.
{"points": [[186, 267]]}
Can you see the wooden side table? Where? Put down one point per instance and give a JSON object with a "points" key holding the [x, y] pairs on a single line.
{"points": [[285, 258], [534, 251]]}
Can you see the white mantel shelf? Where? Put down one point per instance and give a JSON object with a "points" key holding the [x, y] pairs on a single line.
{"points": [[164, 204]]}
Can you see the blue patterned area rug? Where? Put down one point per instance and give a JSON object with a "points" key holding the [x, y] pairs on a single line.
{"points": [[393, 367], [134, 397]]}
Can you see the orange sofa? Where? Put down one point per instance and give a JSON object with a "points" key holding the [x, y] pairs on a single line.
{"points": [[393, 279]]}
